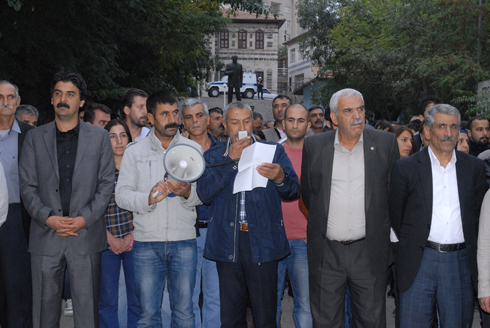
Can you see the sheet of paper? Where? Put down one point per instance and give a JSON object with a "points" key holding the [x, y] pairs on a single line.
{"points": [[247, 177]]}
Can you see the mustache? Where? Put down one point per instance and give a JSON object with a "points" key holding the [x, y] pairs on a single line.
{"points": [[62, 104], [447, 138], [7, 106], [484, 138], [222, 126], [356, 121], [318, 121], [171, 125]]}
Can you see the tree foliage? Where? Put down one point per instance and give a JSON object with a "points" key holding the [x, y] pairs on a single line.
{"points": [[397, 52], [147, 44]]}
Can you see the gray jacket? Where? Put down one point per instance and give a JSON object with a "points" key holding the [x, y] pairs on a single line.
{"points": [[173, 218]]}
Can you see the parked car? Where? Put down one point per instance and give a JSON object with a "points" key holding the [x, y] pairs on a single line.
{"points": [[267, 95]]}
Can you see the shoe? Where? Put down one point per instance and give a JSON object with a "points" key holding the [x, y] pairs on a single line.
{"points": [[68, 311]]}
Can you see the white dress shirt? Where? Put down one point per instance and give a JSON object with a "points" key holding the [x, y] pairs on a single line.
{"points": [[446, 226], [4, 197]]}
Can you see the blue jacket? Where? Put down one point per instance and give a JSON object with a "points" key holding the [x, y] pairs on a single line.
{"points": [[262, 205]]}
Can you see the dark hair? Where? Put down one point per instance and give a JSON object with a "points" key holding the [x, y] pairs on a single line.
{"points": [[382, 125], [316, 107], [127, 98], [421, 129], [256, 115], [282, 97], [426, 101], [89, 115], [118, 121], [462, 124], [216, 110], [414, 125], [159, 97], [469, 125], [398, 130], [65, 75], [259, 133]]}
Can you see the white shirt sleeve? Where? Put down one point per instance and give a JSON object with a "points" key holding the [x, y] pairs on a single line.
{"points": [[4, 197]]}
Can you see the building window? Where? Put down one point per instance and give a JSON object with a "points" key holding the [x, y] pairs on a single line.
{"points": [[242, 39], [287, 10], [259, 40], [287, 24], [224, 39], [233, 44], [292, 55], [269, 44], [269, 36]]}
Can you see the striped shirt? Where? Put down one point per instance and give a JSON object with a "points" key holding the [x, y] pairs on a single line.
{"points": [[119, 222]]}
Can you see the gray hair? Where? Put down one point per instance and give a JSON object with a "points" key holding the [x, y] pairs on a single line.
{"points": [[237, 104], [26, 109], [334, 101], [430, 115], [256, 115], [15, 87], [191, 102]]}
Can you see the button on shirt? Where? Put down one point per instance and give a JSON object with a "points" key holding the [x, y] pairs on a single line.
{"points": [[346, 215], [446, 226], [66, 145], [9, 152]]}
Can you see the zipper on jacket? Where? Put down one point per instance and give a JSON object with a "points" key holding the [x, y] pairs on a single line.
{"points": [[236, 225]]}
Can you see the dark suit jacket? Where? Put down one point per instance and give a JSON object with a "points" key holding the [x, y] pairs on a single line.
{"points": [[411, 209], [92, 186], [26, 218], [380, 152]]}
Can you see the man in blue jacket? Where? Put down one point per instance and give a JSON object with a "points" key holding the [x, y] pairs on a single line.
{"points": [[246, 234]]}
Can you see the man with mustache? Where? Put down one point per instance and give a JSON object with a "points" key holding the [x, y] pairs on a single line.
{"points": [[215, 125], [317, 119], [66, 178], [164, 212], [344, 184], [435, 200], [14, 233], [133, 110], [478, 131]]}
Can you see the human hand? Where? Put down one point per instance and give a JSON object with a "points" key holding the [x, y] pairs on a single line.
{"points": [[116, 244], [180, 188], [128, 242], [237, 147], [71, 226], [161, 188], [271, 171], [485, 303]]}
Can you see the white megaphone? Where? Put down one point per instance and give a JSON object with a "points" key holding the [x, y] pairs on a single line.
{"points": [[182, 162]]}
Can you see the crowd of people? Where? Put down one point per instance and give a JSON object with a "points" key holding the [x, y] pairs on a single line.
{"points": [[343, 206]]}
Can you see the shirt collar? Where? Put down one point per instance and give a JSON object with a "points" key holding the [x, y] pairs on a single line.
{"points": [[435, 162], [337, 144], [15, 127], [155, 141], [76, 129]]}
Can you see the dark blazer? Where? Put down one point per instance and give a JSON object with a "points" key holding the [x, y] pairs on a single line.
{"points": [[92, 185], [411, 209], [380, 152], [26, 218]]}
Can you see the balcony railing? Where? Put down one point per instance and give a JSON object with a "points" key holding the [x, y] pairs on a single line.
{"points": [[283, 71]]}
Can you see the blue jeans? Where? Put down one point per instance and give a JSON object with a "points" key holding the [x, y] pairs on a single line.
{"points": [[210, 289], [109, 289], [156, 262], [442, 285], [297, 267]]}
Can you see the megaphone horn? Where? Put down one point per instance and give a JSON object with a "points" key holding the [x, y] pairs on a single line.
{"points": [[183, 162]]}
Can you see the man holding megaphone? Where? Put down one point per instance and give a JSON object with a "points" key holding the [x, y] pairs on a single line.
{"points": [[164, 215]]}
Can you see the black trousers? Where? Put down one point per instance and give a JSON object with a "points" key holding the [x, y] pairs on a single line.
{"points": [[16, 265], [243, 281]]}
